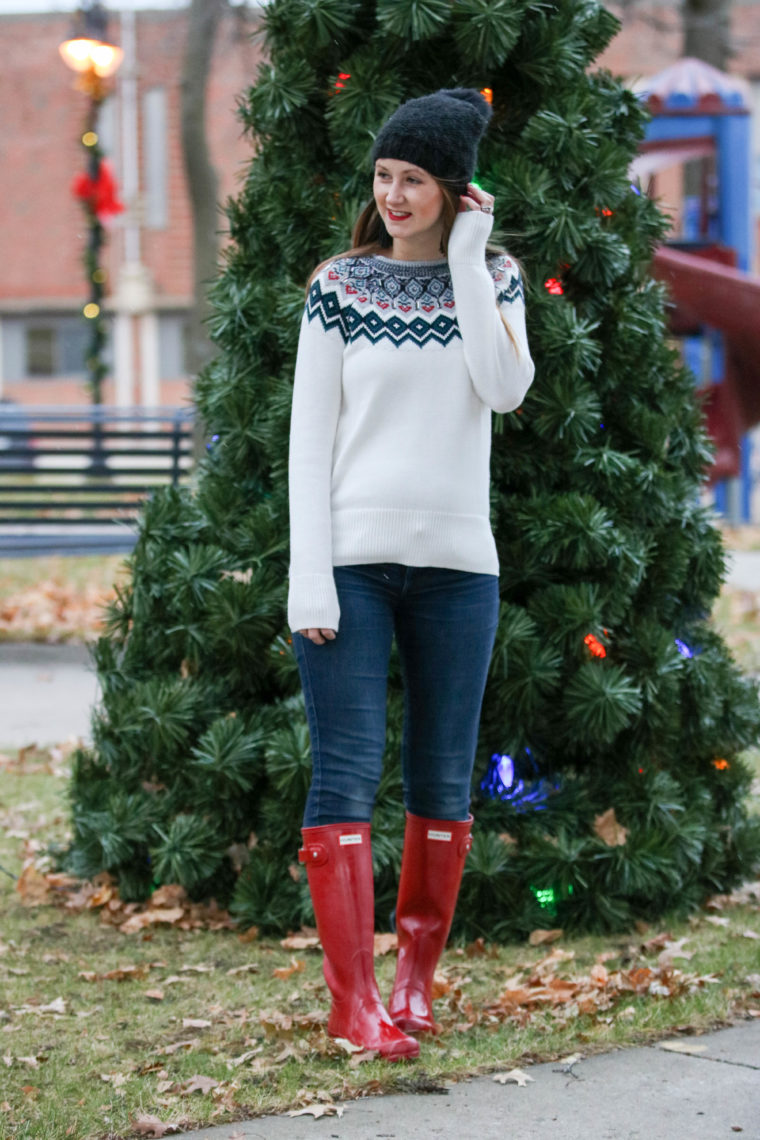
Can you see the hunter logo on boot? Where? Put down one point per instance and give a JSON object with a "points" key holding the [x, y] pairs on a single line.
{"points": [[349, 840], [443, 835]]}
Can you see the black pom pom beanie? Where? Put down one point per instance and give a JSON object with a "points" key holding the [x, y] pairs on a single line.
{"points": [[438, 132]]}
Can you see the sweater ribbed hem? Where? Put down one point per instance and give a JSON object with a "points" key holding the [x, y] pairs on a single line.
{"points": [[414, 538]]}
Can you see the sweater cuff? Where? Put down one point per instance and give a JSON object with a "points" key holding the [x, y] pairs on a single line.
{"points": [[313, 602], [469, 234]]}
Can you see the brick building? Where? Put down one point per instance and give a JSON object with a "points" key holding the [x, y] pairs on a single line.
{"points": [[42, 226], [149, 250]]}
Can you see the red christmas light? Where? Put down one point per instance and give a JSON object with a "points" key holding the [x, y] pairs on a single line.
{"points": [[554, 285], [595, 646], [340, 82], [720, 764]]}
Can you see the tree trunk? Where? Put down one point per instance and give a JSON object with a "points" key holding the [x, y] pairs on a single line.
{"points": [[707, 36], [204, 17], [707, 31]]}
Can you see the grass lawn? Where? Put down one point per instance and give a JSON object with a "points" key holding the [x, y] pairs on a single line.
{"points": [[102, 1030]]}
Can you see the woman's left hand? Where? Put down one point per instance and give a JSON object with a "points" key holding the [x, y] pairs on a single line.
{"points": [[476, 199]]}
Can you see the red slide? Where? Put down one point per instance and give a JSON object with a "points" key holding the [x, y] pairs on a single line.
{"points": [[706, 289]]}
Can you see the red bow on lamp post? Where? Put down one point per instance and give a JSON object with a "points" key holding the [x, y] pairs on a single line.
{"points": [[100, 194]]}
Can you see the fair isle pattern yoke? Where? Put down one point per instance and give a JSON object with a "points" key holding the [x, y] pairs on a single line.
{"points": [[375, 298], [390, 432]]}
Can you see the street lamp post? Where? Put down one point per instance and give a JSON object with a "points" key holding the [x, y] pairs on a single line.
{"points": [[88, 52]]}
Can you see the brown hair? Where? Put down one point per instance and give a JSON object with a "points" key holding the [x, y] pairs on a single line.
{"points": [[369, 236]]}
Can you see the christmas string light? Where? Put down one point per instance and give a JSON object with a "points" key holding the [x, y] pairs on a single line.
{"points": [[721, 764], [687, 650], [594, 645], [502, 782], [487, 93], [342, 79], [553, 285]]}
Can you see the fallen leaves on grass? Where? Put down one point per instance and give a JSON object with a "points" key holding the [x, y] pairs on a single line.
{"points": [[54, 610], [540, 988], [169, 905]]}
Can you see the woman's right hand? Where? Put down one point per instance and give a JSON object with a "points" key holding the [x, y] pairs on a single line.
{"points": [[318, 636]]}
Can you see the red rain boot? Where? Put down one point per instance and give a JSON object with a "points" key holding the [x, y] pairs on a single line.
{"points": [[431, 871], [338, 860]]}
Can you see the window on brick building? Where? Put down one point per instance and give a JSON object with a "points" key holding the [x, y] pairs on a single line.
{"points": [[40, 351], [53, 347]]}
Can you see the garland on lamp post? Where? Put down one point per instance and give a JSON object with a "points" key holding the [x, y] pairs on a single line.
{"points": [[88, 52]]}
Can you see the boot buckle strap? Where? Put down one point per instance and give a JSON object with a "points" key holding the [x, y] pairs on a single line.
{"points": [[313, 854], [466, 845]]}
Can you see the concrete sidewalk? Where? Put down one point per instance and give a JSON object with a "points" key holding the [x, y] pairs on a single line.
{"points": [[46, 693], [632, 1094]]}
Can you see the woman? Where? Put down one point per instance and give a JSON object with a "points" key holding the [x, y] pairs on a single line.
{"points": [[407, 343]]}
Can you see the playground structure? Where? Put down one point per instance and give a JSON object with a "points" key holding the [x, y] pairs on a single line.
{"points": [[700, 113]]}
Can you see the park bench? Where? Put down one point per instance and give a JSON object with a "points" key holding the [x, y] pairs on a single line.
{"points": [[72, 479]]}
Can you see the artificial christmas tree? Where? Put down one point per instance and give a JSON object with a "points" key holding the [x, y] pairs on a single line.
{"points": [[614, 717]]}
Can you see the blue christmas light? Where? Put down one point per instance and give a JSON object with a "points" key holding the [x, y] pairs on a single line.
{"points": [[683, 648], [502, 782], [635, 190], [214, 439]]}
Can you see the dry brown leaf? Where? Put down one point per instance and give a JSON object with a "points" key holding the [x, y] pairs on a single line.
{"points": [[195, 1023], [297, 966], [361, 1058], [33, 887], [385, 944], [678, 1045], [441, 986], [154, 995], [137, 922], [115, 1079], [151, 1126], [517, 1075], [300, 942], [674, 950], [248, 968], [249, 935], [199, 1084], [185, 1046], [317, 1110], [609, 830], [659, 942], [539, 937]]}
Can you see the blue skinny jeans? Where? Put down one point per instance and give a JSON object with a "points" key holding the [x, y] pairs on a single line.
{"points": [[444, 622]]}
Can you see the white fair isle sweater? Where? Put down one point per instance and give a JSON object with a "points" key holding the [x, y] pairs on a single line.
{"points": [[399, 365]]}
